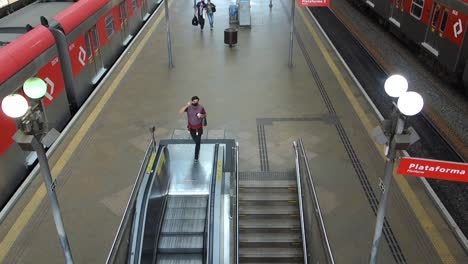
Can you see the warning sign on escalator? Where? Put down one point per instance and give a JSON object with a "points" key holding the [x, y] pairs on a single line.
{"points": [[314, 3]]}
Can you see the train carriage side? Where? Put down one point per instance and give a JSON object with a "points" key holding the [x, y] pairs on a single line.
{"points": [[33, 54]]}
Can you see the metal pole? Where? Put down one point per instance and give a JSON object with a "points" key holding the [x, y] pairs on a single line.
{"points": [[50, 186], [291, 40], [168, 29], [386, 187], [65, 63]]}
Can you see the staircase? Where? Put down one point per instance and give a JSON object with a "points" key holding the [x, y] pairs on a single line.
{"points": [[182, 233], [269, 218]]}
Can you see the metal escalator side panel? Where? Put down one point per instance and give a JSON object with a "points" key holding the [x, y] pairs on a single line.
{"points": [[119, 250], [207, 241], [159, 169]]}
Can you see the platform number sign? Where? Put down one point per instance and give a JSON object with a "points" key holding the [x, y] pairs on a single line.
{"points": [[314, 3]]}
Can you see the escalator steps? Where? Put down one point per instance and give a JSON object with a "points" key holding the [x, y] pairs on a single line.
{"points": [[183, 227], [181, 244], [187, 202], [185, 213], [180, 259]]}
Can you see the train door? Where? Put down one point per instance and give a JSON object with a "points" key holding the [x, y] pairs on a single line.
{"points": [[123, 14], [433, 28], [144, 9], [94, 55], [397, 12]]}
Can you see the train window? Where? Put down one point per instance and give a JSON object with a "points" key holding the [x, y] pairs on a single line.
{"points": [[444, 21], [109, 25], [417, 8], [435, 16], [134, 4]]}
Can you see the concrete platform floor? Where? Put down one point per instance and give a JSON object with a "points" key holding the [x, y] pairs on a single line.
{"points": [[249, 93]]}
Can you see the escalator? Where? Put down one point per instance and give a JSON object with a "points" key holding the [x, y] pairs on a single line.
{"points": [[183, 229], [178, 206]]}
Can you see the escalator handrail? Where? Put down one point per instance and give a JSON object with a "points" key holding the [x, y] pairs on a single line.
{"points": [[208, 243], [131, 202], [301, 208], [237, 203], [317, 205]]}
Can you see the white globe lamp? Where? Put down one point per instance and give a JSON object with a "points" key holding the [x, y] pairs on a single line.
{"points": [[396, 85], [35, 88], [14, 105], [410, 103]]}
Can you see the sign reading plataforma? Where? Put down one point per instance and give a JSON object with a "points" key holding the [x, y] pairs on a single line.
{"points": [[436, 169], [316, 3]]}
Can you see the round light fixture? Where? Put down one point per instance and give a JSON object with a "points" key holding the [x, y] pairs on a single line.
{"points": [[396, 85], [14, 105], [410, 103], [35, 88]]}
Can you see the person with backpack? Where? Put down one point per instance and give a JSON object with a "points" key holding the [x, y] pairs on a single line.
{"points": [[200, 7], [196, 114], [210, 9]]}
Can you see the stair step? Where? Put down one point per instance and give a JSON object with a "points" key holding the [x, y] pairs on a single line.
{"points": [[267, 196], [183, 227], [181, 244], [267, 184], [270, 253], [182, 201], [269, 224], [185, 213], [291, 209], [180, 259], [278, 190]]}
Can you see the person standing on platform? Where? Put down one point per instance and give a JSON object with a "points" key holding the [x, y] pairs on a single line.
{"points": [[201, 6], [195, 115], [210, 9]]}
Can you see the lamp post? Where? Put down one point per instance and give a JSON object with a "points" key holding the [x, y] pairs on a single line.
{"points": [[32, 131], [395, 137]]}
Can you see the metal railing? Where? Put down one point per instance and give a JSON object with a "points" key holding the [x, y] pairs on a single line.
{"points": [[301, 207], [208, 243], [237, 242], [302, 162], [127, 220]]}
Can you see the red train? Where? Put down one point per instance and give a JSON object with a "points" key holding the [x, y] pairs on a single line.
{"points": [[95, 33], [436, 26]]}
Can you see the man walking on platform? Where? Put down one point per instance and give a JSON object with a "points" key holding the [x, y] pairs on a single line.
{"points": [[195, 115], [199, 9]]}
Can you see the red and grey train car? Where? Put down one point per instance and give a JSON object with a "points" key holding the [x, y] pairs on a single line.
{"points": [[96, 33], [437, 26]]}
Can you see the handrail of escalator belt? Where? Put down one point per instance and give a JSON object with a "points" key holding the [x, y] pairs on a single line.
{"points": [[237, 204], [301, 208], [208, 245], [126, 218], [317, 205]]}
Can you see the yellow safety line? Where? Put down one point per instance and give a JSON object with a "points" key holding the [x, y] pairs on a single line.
{"points": [[33, 204], [433, 233], [219, 171]]}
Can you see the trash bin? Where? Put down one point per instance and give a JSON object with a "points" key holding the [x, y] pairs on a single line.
{"points": [[233, 14], [230, 36]]}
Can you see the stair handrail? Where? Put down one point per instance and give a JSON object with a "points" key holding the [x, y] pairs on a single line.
{"points": [[318, 210], [301, 208], [208, 241], [237, 203]]}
